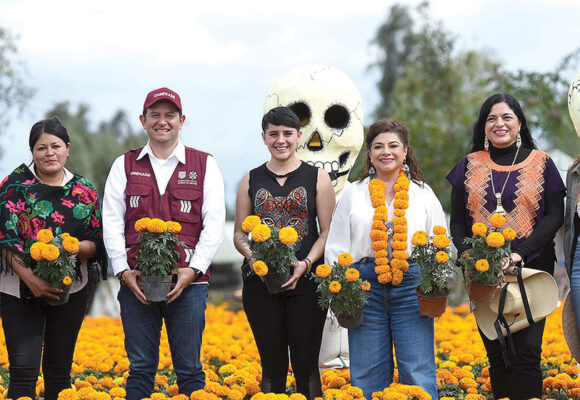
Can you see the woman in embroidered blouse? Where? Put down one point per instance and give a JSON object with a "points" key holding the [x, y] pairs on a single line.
{"points": [[286, 192], [391, 316], [505, 165], [45, 195]]}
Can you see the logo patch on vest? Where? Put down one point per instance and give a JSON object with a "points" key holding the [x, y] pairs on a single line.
{"points": [[185, 206], [134, 201], [192, 178], [147, 174], [188, 254]]}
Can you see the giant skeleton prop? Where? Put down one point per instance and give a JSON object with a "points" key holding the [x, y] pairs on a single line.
{"points": [[329, 106]]}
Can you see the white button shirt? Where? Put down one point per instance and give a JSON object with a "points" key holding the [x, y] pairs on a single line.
{"points": [[352, 219], [213, 212]]}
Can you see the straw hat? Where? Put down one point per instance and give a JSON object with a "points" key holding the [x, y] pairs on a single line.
{"points": [[570, 327], [542, 293]]}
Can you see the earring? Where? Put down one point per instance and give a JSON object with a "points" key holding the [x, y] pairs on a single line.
{"points": [[519, 141], [406, 168], [372, 171], [486, 144]]}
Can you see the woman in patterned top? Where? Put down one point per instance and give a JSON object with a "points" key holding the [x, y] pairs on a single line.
{"points": [[504, 172], [45, 195], [286, 192]]}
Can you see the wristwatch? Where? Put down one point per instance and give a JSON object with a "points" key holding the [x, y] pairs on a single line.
{"points": [[198, 273], [120, 276]]}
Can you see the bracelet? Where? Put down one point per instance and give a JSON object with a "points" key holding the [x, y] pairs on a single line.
{"points": [[120, 276], [308, 263]]}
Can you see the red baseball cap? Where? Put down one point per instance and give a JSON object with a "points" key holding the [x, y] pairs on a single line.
{"points": [[162, 94]]}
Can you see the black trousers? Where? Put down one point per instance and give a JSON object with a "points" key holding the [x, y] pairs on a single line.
{"points": [[523, 379], [30, 327], [285, 321]]}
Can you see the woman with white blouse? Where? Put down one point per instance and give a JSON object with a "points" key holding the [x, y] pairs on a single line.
{"points": [[390, 199]]}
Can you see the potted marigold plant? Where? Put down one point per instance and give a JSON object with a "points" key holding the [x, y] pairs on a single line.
{"points": [[432, 253], [483, 262], [342, 290], [157, 255], [273, 252], [55, 262]]}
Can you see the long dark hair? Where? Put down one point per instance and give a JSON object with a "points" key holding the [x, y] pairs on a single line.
{"points": [[387, 125], [479, 128]]}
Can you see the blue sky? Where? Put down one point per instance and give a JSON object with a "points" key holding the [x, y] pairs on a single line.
{"points": [[223, 56]]}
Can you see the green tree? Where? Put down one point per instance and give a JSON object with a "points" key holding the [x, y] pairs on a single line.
{"points": [[93, 151], [13, 92]]}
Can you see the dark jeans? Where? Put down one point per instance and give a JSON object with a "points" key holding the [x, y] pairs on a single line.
{"points": [[281, 321], [184, 320], [523, 379], [30, 326]]}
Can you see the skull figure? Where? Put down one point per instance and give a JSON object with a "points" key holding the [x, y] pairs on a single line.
{"points": [[331, 117], [574, 103]]}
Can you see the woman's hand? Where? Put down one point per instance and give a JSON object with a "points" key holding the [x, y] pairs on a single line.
{"points": [[39, 287], [509, 263], [87, 249], [300, 268]]}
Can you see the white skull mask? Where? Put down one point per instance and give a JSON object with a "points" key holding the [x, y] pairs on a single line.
{"points": [[331, 117], [574, 103]]}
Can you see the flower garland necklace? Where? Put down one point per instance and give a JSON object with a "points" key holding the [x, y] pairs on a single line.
{"points": [[392, 273]]}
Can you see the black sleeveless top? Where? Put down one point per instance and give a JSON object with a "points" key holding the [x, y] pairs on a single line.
{"points": [[292, 204]]}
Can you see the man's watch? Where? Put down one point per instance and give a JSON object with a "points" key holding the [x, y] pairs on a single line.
{"points": [[198, 273], [120, 276]]}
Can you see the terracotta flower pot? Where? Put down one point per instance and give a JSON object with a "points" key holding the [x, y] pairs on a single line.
{"points": [[351, 321], [62, 297], [431, 306], [155, 288], [273, 281], [480, 292]]}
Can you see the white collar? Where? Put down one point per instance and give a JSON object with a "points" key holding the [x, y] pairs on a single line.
{"points": [[178, 152]]}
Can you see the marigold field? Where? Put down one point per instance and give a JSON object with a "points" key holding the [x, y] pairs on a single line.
{"points": [[232, 363]]}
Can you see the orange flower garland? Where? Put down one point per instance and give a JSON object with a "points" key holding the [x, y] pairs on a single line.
{"points": [[392, 273]]}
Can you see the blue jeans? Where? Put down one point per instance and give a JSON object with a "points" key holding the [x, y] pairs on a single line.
{"points": [[184, 321], [575, 282], [391, 317]]}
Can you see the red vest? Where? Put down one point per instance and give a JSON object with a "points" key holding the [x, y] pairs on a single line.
{"points": [[181, 202]]}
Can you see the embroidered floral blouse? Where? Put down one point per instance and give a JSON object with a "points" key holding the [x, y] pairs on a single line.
{"points": [[27, 206]]}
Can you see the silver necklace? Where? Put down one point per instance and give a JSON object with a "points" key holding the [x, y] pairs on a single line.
{"points": [[499, 209]]}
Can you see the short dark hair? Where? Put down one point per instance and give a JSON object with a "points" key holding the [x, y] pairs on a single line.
{"points": [[52, 126], [279, 116], [479, 128]]}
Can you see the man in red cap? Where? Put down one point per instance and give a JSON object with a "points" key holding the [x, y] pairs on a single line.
{"points": [[167, 180]]}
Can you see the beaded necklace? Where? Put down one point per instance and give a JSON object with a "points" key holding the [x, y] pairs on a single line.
{"points": [[381, 230]]}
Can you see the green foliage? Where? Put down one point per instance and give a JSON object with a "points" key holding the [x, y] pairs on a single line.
{"points": [[435, 276], [348, 300], [55, 271], [157, 253], [14, 94], [277, 255], [480, 250], [94, 150]]}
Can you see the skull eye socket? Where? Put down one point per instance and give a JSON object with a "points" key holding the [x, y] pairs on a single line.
{"points": [[303, 112], [336, 117]]}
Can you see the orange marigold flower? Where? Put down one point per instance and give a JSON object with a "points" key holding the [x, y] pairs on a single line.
{"points": [[288, 235], [385, 278], [260, 268], [380, 245], [381, 254], [497, 220], [399, 221], [399, 245], [345, 260], [419, 238], [377, 235], [441, 241], [365, 286], [157, 225], [482, 265], [70, 244], [44, 235], [351, 274], [66, 280], [380, 217], [261, 233], [323, 270], [250, 223], [382, 210], [382, 269], [400, 237], [439, 230], [36, 250], [400, 228], [403, 265], [50, 252], [173, 226], [141, 224], [509, 234], [378, 225], [495, 239], [400, 254], [479, 229], [402, 196], [399, 213], [334, 287], [442, 257]]}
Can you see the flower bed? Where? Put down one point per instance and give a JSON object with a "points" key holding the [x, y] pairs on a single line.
{"points": [[232, 366]]}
